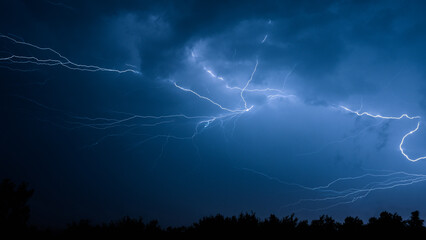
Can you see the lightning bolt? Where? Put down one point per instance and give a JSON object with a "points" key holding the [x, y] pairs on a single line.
{"points": [[248, 82], [331, 194], [210, 72], [59, 61], [378, 115], [211, 101], [334, 197], [402, 142], [392, 118], [264, 39]]}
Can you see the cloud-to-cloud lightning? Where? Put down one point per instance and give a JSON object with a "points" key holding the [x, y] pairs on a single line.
{"points": [[345, 190], [128, 123], [392, 118], [63, 61], [378, 115], [60, 60]]}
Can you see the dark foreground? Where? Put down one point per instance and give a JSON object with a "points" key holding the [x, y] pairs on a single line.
{"points": [[14, 213]]}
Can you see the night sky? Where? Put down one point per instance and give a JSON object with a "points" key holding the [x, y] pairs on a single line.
{"points": [[174, 110]]}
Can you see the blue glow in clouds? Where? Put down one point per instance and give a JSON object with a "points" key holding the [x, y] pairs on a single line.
{"points": [[222, 106], [132, 121]]}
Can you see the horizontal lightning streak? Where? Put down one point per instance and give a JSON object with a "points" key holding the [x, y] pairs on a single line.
{"points": [[133, 121], [62, 61], [393, 118], [379, 116]]}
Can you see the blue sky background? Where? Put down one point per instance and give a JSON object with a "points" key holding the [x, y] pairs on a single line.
{"points": [[318, 55]]}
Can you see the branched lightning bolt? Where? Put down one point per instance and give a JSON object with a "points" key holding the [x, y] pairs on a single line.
{"points": [[336, 194], [132, 121], [392, 118], [331, 194], [248, 82], [59, 61], [211, 101]]}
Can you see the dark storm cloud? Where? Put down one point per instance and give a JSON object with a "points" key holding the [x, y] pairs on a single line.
{"points": [[320, 37], [367, 55], [323, 39]]}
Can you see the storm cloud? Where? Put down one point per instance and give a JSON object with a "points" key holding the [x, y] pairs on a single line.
{"points": [[315, 56]]}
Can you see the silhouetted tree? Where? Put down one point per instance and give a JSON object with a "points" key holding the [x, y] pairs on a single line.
{"points": [[80, 228], [386, 223], [210, 224], [153, 227], [415, 223], [303, 227], [126, 227], [248, 222], [352, 225], [290, 222], [14, 211], [271, 225], [324, 224], [14, 214]]}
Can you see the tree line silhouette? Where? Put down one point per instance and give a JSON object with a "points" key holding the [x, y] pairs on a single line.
{"points": [[14, 215]]}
